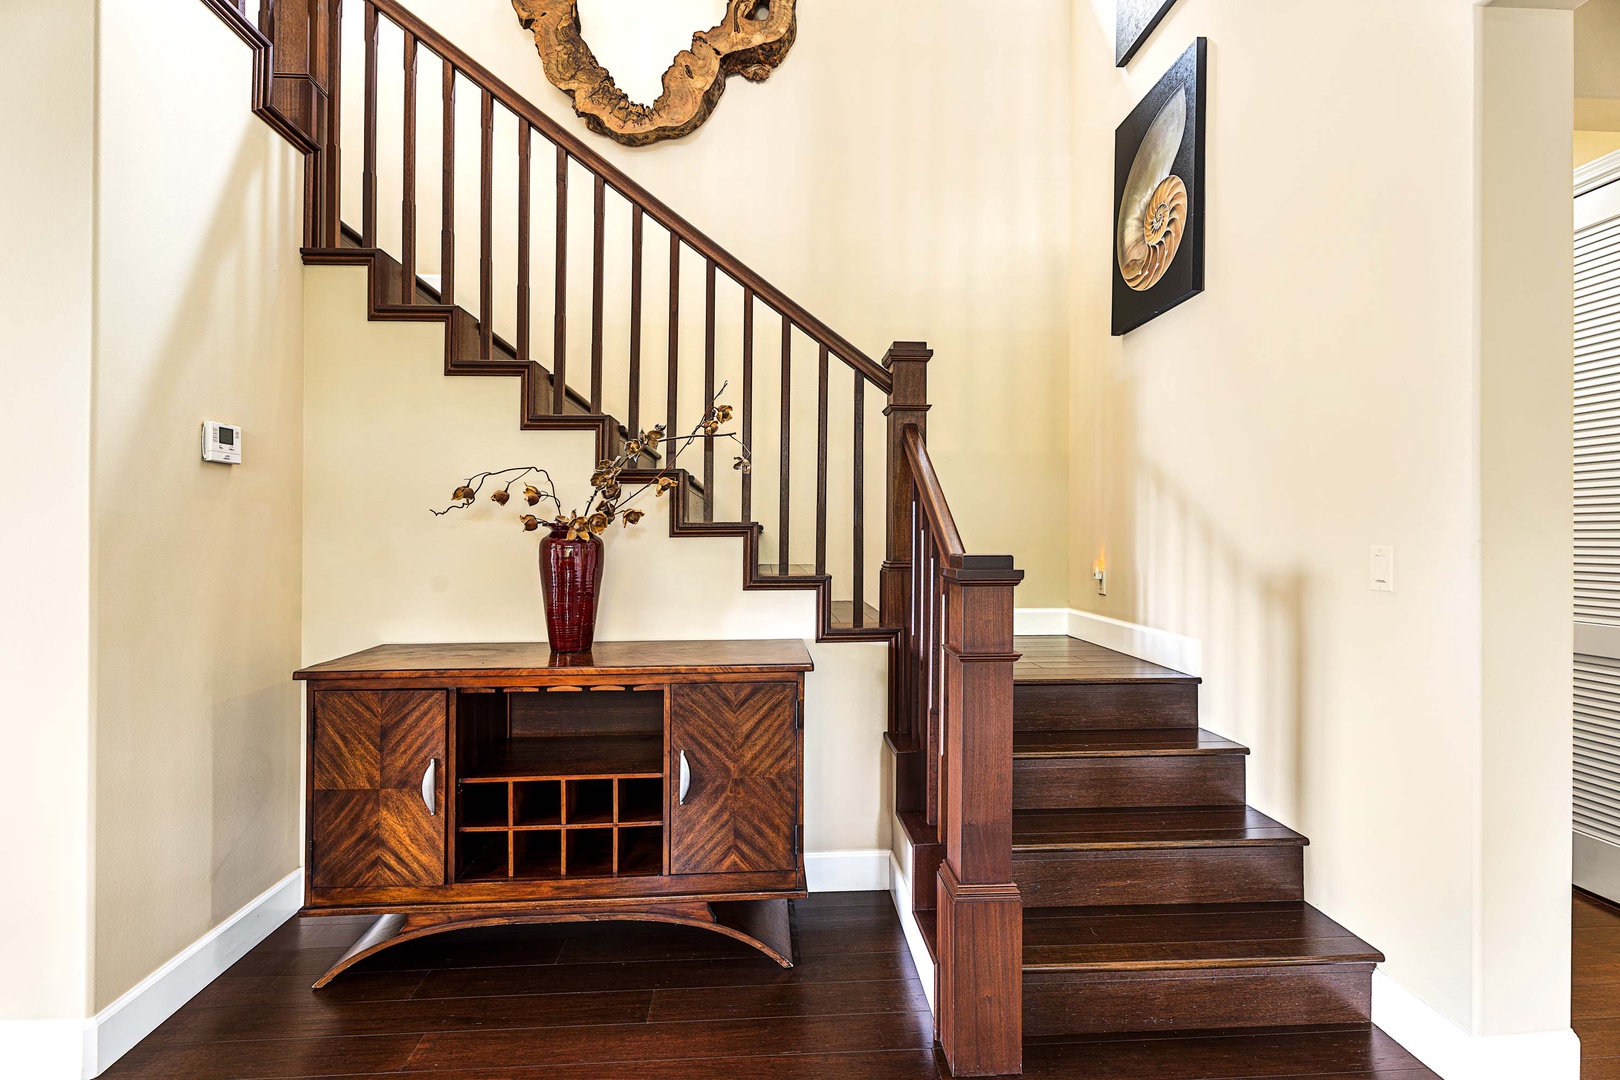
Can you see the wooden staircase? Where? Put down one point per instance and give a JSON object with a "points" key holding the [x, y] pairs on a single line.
{"points": [[1154, 899], [1084, 862]]}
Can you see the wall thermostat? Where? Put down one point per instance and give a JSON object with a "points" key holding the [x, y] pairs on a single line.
{"points": [[222, 443]]}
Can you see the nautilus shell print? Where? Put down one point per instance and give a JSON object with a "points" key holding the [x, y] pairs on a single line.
{"points": [[1154, 207]]}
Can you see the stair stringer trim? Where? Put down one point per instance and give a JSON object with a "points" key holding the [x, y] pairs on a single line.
{"points": [[378, 265]]}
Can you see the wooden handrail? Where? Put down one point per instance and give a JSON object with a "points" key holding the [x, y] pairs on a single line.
{"points": [[299, 82], [931, 498], [616, 179]]}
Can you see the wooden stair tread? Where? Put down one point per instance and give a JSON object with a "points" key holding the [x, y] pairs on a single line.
{"points": [[918, 831], [1138, 828], [843, 615], [1187, 936], [1142, 743], [1061, 660]]}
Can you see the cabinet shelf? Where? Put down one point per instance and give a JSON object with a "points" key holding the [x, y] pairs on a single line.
{"points": [[569, 757]]}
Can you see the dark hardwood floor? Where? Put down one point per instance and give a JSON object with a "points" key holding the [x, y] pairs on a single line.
{"points": [[1595, 993], [614, 1001]]}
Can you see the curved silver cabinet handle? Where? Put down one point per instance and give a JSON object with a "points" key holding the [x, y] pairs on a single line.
{"points": [[686, 778], [430, 787]]}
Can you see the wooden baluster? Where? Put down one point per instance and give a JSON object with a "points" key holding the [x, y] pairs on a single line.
{"points": [[784, 566], [821, 463], [328, 232], [368, 177], [748, 400], [906, 721], [525, 151], [859, 570], [933, 671], [637, 226], [674, 379], [907, 363], [447, 233], [559, 341], [708, 390], [486, 231], [407, 208], [597, 274]]}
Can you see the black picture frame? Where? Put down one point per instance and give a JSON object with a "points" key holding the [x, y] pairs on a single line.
{"points": [[1165, 273], [1134, 23]]}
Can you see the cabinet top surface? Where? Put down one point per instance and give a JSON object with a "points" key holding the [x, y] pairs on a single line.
{"points": [[535, 659]]}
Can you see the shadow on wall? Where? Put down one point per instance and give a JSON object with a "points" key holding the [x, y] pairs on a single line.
{"points": [[1196, 581], [1188, 577]]}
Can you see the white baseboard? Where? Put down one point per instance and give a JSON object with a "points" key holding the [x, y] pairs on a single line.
{"points": [[1452, 1052], [1597, 865], [847, 871], [118, 1027], [79, 1049], [1175, 651], [47, 1049], [900, 891]]}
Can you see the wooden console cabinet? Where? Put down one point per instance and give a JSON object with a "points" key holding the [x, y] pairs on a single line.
{"points": [[470, 785]]}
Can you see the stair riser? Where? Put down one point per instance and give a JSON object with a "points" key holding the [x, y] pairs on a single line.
{"points": [[1097, 1003], [1095, 783], [1214, 875], [1104, 706]]}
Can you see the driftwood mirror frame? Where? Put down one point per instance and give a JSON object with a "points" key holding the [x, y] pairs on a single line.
{"points": [[752, 39]]}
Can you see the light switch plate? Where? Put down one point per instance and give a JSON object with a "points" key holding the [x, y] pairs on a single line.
{"points": [[1383, 569]]}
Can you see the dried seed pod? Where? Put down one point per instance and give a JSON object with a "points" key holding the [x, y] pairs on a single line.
{"points": [[500, 497], [530, 522]]}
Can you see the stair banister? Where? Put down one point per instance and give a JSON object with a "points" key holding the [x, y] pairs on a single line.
{"points": [[425, 37], [952, 688]]}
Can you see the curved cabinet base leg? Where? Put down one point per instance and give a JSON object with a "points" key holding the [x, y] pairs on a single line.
{"points": [[763, 924]]}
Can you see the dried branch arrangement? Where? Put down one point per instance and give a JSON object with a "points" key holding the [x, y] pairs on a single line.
{"points": [[610, 499]]}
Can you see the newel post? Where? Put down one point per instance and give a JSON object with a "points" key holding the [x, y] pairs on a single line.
{"points": [[980, 1000], [907, 361]]}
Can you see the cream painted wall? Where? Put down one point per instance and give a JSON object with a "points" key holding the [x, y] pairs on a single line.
{"points": [[387, 436], [890, 198], [1597, 49], [198, 317], [46, 215], [1526, 432], [1597, 80], [1234, 460]]}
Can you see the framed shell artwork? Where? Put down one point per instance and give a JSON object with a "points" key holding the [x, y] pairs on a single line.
{"points": [[1159, 196], [1134, 23]]}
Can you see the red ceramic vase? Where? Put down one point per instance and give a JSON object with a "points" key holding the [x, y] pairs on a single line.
{"points": [[570, 581]]}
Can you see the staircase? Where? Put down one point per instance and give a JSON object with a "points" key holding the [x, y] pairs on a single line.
{"points": [[1154, 899], [1084, 861]]}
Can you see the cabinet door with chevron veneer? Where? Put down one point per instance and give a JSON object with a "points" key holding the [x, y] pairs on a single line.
{"points": [[376, 788], [735, 749]]}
